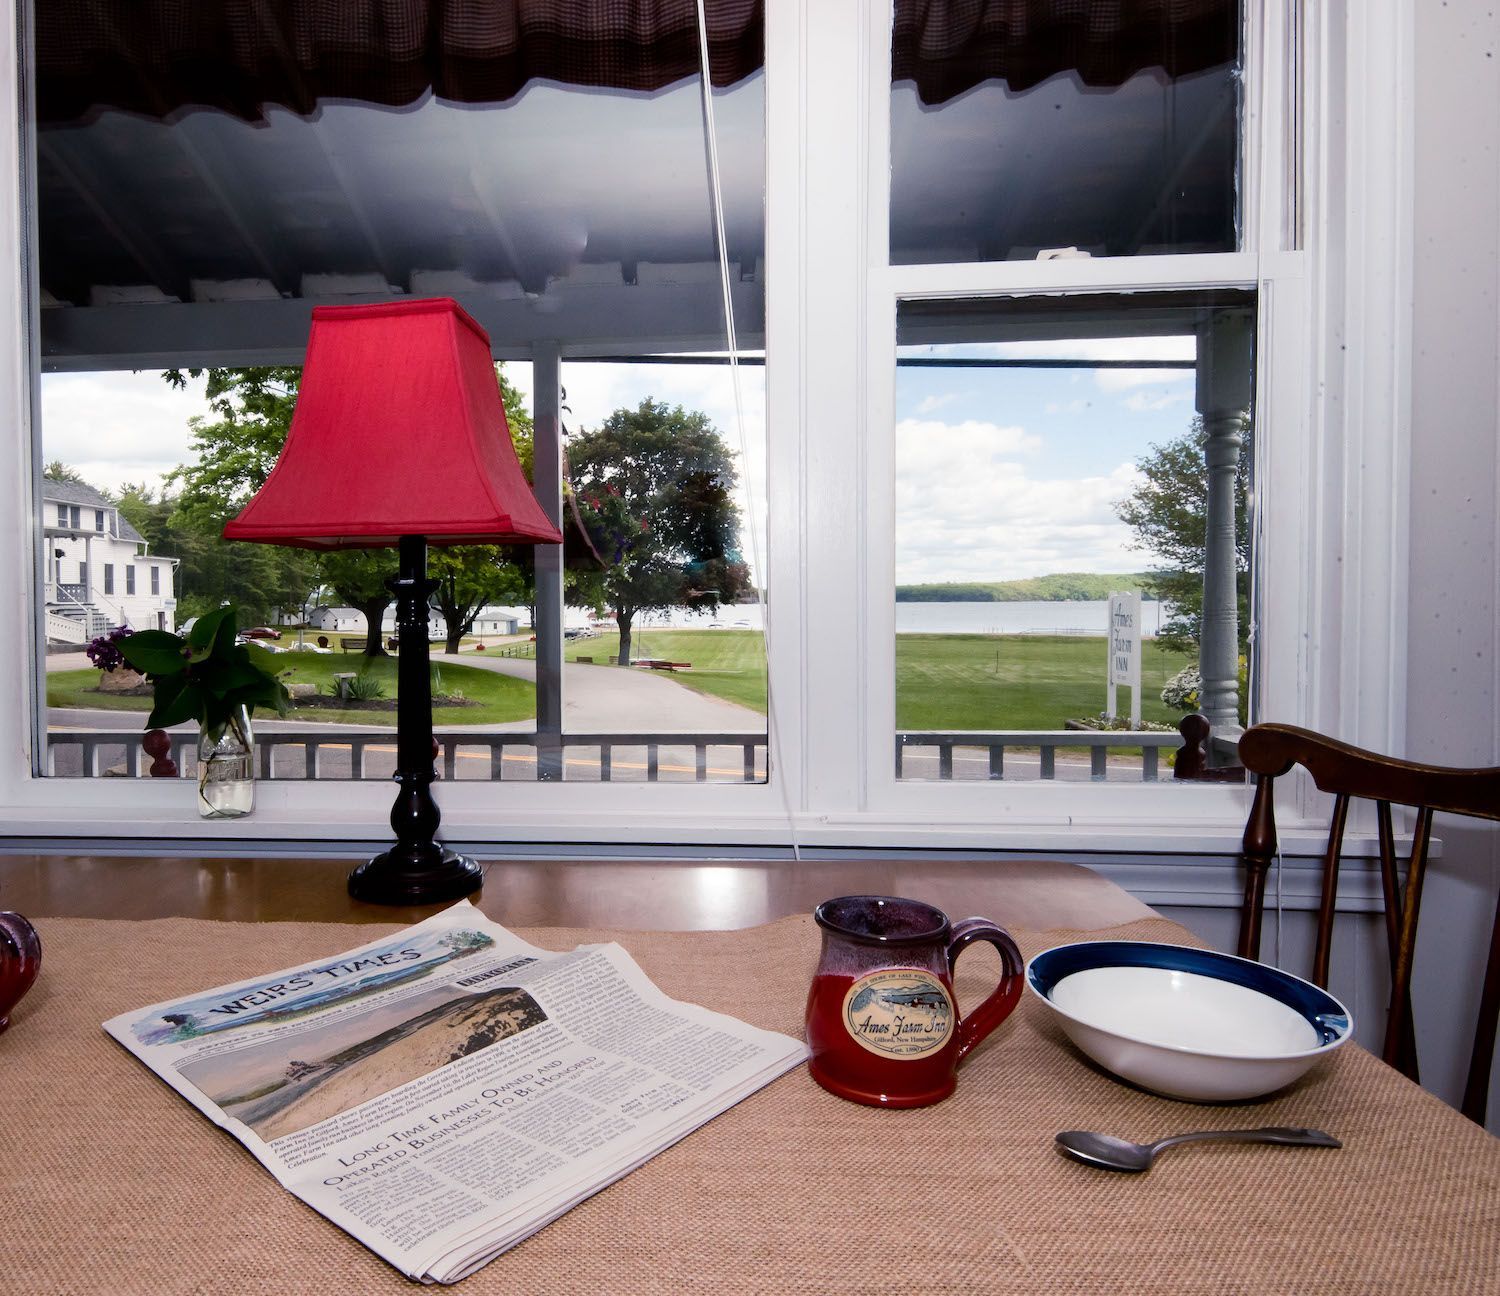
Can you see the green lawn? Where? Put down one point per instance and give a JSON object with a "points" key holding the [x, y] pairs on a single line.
{"points": [[729, 664], [943, 681], [499, 698], [1017, 681]]}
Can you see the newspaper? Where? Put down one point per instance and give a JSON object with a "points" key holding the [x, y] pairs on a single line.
{"points": [[445, 1092]]}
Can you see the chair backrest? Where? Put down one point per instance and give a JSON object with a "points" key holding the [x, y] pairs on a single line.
{"points": [[1349, 773]]}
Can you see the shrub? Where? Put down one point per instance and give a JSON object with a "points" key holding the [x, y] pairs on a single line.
{"points": [[1182, 689], [365, 688]]}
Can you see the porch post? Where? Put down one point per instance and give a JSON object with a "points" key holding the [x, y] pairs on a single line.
{"points": [[1223, 400], [546, 378]]}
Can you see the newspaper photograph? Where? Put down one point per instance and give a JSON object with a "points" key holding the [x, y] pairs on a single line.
{"points": [[444, 1092]]}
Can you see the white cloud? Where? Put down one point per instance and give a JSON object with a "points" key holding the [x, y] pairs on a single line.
{"points": [[117, 427], [972, 441], [1143, 403], [931, 404], [967, 508]]}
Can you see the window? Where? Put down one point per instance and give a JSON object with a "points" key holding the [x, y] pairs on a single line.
{"points": [[109, 578], [98, 519], [155, 579], [1055, 457], [73, 514], [848, 131], [569, 209], [1077, 130], [1046, 443], [130, 578]]}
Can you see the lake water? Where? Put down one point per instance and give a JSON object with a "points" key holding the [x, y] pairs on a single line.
{"points": [[1040, 617]]}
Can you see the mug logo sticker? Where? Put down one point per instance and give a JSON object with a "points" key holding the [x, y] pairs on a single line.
{"points": [[899, 1012]]}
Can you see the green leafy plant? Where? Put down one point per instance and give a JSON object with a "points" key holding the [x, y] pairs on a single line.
{"points": [[205, 676], [365, 688]]}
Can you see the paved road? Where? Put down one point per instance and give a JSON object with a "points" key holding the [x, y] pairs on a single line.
{"points": [[596, 699]]}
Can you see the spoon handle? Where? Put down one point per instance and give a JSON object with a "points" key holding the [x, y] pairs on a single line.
{"points": [[1293, 1135]]}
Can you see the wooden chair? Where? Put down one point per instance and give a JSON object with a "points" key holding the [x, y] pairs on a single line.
{"points": [[1271, 750]]}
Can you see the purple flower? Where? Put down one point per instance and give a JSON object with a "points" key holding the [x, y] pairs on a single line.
{"points": [[104, 651]]}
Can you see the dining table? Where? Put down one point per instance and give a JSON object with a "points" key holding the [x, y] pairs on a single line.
{"points": [[111, 1183]]}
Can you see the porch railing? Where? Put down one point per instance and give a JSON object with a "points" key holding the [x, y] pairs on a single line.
{"points": [[335, 753], [1125, 755], [342, 754]]}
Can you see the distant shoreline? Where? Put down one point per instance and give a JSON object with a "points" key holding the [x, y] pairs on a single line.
{"points": [[1060, 587]]}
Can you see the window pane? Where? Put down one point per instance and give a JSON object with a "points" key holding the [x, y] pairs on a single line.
{"points": [[665, 584], [206, 177], [1091, 126], [1050, 454]]}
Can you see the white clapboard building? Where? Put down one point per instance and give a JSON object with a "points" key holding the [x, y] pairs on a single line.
{"points": [[100, 572]]}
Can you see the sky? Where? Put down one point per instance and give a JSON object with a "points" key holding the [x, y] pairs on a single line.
{"points": [[1001, 473]]}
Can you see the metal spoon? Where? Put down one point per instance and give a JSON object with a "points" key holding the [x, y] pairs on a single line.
{"points": [[1110, 1153]]}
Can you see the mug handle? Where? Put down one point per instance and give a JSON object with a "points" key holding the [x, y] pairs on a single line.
{"points": [[973, 1027]]}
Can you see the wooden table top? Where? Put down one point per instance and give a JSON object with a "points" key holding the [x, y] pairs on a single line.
{"points": [[659, 895]]}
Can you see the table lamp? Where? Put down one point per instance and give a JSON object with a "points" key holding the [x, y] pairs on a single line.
{"points": [[399, 439]]}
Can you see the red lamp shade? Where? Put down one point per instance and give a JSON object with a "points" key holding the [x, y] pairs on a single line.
{"points": [[399, 431]]}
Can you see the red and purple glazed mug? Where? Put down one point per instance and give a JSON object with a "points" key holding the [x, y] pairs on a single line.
{"points": [[882, 1021]]}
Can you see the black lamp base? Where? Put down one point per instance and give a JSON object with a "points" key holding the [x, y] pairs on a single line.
{"points": [[402, 876]]}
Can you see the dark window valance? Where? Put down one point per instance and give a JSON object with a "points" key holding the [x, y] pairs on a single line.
{"points": [[949, 46], [158, 56]]}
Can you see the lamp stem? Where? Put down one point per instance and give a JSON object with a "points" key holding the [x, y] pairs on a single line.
{"points": [[417, 869]]}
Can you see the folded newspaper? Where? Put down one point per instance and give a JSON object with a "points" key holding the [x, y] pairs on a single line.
{"points": [[445, 1092]]}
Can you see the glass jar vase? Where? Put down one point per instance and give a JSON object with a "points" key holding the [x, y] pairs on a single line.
{"points": [[226, 767]]}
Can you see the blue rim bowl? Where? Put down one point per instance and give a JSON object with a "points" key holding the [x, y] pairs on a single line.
{"points": [[1199, 993]]}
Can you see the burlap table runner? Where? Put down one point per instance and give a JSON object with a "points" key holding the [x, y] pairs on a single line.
{"points": [[111, 1183]]}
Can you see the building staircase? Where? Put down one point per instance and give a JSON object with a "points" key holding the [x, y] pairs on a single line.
{"points": [[71, 620]]}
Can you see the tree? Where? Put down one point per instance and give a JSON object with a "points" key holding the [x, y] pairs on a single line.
{"points": [[60, 472], [360, 577], [1168, 513], [654, 489], [472, 577], [233, 455]]}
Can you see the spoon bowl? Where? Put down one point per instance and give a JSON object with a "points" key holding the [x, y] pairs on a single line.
{"points": [[1107, 1152]]}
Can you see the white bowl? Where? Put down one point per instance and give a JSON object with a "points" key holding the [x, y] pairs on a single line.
{"points": [[1188, 1023]]}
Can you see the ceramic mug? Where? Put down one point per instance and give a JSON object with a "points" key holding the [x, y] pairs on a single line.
{"points": [[882, 1021]]}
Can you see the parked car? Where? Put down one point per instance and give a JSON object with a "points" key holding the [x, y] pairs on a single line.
{"points": [[260, 632]]}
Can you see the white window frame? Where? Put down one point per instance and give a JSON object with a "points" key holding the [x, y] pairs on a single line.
{"points": [[1333, 379]]}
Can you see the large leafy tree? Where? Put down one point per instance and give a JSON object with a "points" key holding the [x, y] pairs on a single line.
{"points": [[234, 450], [655, 489], [1168, 511]]}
